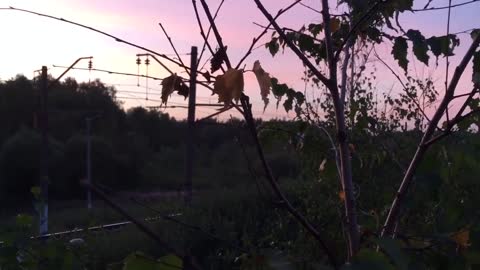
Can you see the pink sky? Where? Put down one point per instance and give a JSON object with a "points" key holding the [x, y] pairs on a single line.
{"points": [[29, 41]]}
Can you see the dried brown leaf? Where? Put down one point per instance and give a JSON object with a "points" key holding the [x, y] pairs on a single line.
{"points": [[229, 86], [264, 81]]}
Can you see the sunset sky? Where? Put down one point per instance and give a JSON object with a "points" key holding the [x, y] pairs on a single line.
{"points": [[30, 41]]}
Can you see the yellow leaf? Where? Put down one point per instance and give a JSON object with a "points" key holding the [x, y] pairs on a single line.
{"points": [[352, 147], [334, 24], [322, 165], [229, 86], [341, 195], [461, 238], [168, 86], [264, 81]]}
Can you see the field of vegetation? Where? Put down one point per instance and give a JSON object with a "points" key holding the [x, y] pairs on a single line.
{"points": [[360, 178]]}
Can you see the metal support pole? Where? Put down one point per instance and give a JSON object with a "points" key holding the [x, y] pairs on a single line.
{"points": [[88, 121], [44, 177], [191, 126], [89, 161]]}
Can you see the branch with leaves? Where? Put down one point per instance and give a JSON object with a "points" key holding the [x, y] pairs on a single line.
{"points": [[394, 212]]}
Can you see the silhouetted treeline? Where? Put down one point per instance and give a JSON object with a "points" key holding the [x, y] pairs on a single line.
{"points": [[134, 149]]}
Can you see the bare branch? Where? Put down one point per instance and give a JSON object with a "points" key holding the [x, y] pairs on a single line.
{"points": [[292, 46], [394, 213], [202, 33], [140, 225], [447, 59], [451, 124], [256, 39], [215, 31], [209, 31], [446, 7], [98, 31], [173, 47], [346, 163], [276, 188], [457, 119], [331, 59], [346, 59], [403, 85], [358, 24]]}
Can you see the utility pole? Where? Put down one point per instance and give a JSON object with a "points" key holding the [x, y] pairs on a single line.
{"points": [[44, 159], [190, 126], [89, 162], [44, 177], [88, 121]]}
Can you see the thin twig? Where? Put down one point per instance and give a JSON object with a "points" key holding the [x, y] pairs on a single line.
{"points": [[265, 29], [202, 32], [276, 188], [394, 212], [141, 226], [345, 156], [215, 31], [292, 46], [446, 7], [173, 47], [98, 31], [447, 60], [403, 85], [356, 26], [214, 114], [209, 31]]}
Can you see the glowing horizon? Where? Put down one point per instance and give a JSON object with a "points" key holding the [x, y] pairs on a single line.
{"points": [[32, 41]]}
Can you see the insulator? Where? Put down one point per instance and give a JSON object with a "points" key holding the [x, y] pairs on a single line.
{"points": [[90, 64], [139, 61], [147, 61]]}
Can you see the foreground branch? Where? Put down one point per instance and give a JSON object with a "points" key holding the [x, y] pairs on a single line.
{"points": [[276, 188], [140, 225], [292, 46], [215, 31], [394, 213]]}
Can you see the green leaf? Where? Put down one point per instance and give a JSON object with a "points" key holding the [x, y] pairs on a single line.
{"points": [[476, 68], [475, 33], [138, 261], [370, 260], [374, 34], [278, 90], [403, 5], [273, 46], [288, 104], [393, 250], [420, 46], [279, 261], [443, 45], [170, 262], [36, 191], [23, 220], [315, 29], [399, 52], [218, 58], [305, 42]]}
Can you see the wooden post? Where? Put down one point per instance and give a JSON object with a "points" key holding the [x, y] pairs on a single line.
{"points": [[44, 178], [190, 126], [89, 161]]}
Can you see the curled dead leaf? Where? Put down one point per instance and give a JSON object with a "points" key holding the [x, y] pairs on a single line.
{"points": [[264, 81], [461, 238], [229, 86], [334, 24], [173, 83], [218, 58], [168, 86], [341, 195]]}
